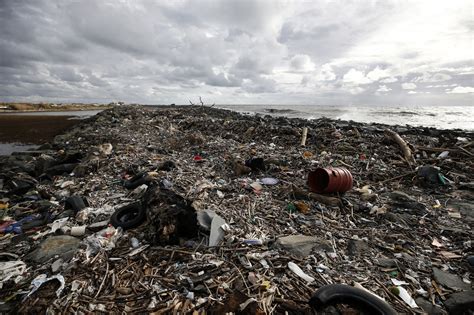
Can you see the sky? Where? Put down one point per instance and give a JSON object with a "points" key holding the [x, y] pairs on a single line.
{"points": [[389, 52]]}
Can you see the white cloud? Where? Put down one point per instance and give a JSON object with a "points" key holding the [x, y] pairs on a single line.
{"points": [[378, 74], [412, 92], [356, 90], [326, 73], [432, 77], [389, 80], [356, 77], [383, 88], [461, 90], [408, 86], [301, 63], [439, 86]]}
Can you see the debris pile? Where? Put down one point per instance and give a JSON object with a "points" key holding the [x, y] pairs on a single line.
{"points": [[197, 209]]}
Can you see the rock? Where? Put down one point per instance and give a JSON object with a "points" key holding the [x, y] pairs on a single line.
{"points": [[240, 169], [64, 246], [402, 200], [61, 169], [449, 280], [400, 196], [386, 262], [460, 302], [470, 261], [357, 247], [428, 307], [302, 245], [466, 209], [44, 162], [57, 265]]}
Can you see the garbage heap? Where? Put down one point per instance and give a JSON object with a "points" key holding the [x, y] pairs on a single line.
{"points": [[201, 210]]}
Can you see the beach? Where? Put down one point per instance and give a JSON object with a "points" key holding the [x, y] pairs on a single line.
{"points": [[227, 216]]}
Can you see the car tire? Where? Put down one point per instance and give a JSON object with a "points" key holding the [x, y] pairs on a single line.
{"points": [[129, 216], [344, 294]]}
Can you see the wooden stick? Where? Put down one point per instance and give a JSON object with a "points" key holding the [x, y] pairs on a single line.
{"points": [[466, 151], [403, 145], [329, 201], [304, 136], [103, 280]]}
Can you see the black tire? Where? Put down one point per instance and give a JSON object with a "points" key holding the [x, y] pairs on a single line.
{"points": [[334, 294], [129, 216]]}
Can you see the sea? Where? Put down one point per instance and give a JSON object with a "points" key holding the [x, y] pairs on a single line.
{"points": [[441, 117], [19, 138]]}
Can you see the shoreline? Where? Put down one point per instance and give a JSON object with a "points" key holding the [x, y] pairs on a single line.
{"points": [[194, 158], [33, 129]]}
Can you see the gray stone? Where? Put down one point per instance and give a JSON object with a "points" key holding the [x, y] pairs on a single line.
{"points": [[470, 261], [404, 201], [57, 265], [428, 307], [357, 247], [302, 245], [449, 280], [460, 302], [63, 246], [466, 209], [400, 196], [386, 262]]}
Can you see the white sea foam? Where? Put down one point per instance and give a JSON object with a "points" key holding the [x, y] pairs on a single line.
{"points": [[441, 117]]}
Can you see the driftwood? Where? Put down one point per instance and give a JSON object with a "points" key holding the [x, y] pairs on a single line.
{"points": [[328, 201], [202, 103], [304, 136], [403, 145]]}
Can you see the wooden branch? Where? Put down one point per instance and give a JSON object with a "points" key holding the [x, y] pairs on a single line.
{"points": [[328, 201], [403, 145], [304, 136], [200, 100]]}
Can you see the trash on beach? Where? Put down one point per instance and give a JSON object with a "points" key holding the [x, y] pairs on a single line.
{"points": [[42, 279], [119, 207], [300, 273], [330, 180]]}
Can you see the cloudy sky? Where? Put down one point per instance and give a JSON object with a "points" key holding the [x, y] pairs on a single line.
{"points": [[238, 52]]}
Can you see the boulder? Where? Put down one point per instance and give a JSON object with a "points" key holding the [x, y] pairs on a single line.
{"points": [[449, 280], [460, 303], [63, 246], [302, 245]]}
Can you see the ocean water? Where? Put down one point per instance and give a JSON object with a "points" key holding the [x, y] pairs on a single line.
{"points": [[76, 114], [441, 117], [9, 141]]}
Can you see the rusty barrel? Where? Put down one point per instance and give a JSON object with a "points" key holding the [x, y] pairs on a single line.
{"points": [[329, 180]]}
